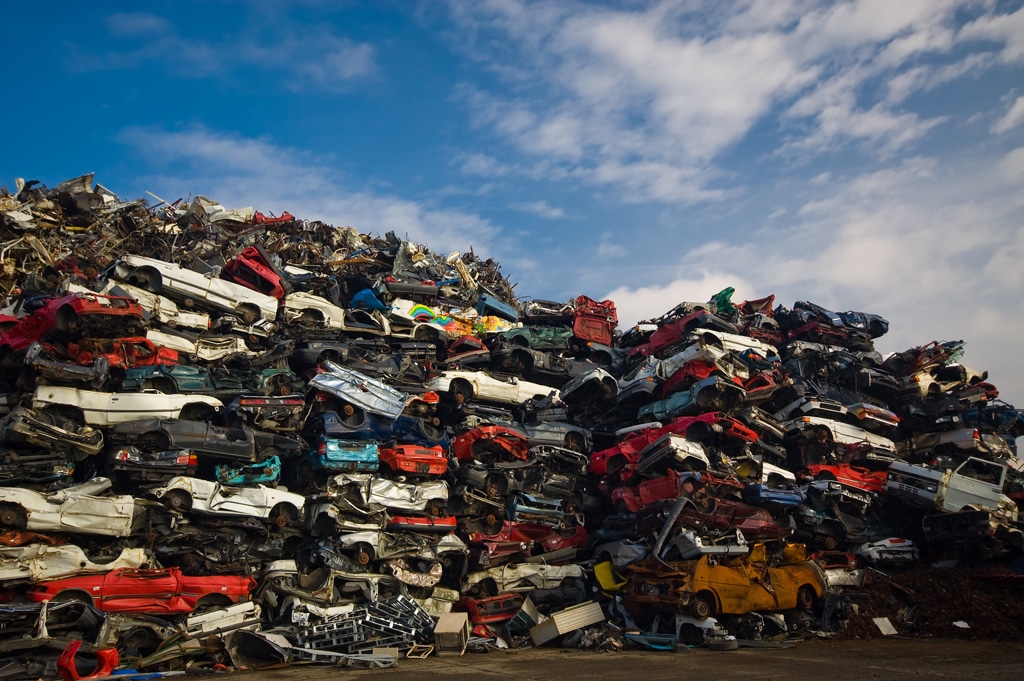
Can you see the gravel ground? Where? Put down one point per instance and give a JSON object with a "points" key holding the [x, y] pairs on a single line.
{"points": [[891, 659]]}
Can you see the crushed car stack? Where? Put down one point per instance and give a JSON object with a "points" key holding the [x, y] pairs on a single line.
{"points": [[233, 438]]}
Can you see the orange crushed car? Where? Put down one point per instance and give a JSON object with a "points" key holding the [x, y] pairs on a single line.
{"points": [[724, 585]]}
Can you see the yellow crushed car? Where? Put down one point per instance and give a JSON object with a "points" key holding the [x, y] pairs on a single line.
{"points": [[730, 585]]}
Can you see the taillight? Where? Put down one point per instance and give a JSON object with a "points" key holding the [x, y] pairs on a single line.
{"points": [[322, 449]]}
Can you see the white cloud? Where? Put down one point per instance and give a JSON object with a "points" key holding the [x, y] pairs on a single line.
{"points": [[483, 165], [238, 171], [931, 247], [1011, 119], [606, 248], [1011, 166], [638, 304], [136, 23], [1005, 28], [302, 57], [345, 61], [542, 209], [647, 97]]}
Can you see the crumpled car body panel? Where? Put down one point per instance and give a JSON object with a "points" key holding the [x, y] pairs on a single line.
{"points": [[360, 390], [73, 509], [213, 498], [108, 409], [737, 584], [38, 562]]}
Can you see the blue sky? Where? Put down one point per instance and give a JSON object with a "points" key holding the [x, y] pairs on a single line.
{"points": [[864, 155]]}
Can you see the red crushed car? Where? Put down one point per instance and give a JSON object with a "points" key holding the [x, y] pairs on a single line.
{"points": [[123, 353], [594, 321], [414, 459], [490, 609], [716, 516], [854, 476], [668, 486], [521, 539], [467, 351], [697, 428], [491, 443], [415, 523], [253, 269], [162, 591], [74, 313], [678, 330]]}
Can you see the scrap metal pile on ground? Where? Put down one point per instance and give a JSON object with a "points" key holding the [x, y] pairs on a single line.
{"points": [[237, 439]]}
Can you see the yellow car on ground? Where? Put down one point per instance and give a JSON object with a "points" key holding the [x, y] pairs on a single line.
{"points": [[727, 585]]}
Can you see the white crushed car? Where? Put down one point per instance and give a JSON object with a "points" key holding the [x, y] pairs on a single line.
{"points": [[186, 494], [107, 409], [463, 386], [193, 288], [75, 509], [522, 577], [395, 496], [39, 562]]}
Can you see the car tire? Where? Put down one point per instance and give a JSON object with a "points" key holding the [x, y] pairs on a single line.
{"points": [[702, 605], [178, 500], [805, 598], [363, 553], [283, 515], [460, 391], [13, 515]]}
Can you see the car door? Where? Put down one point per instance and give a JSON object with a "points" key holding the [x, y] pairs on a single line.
{"points": [[97, 515], [250, 501], [138, 590]]}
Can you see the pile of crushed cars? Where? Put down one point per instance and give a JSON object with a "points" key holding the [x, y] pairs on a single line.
{"points": [[236, 439]]}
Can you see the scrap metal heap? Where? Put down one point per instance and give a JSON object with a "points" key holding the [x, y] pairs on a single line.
{"points": [[234, 438]]}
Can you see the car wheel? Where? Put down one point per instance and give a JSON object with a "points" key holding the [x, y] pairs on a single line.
{"points": [[312, 318], [12, 515], [492, 523], [363, 553], [283, 515], [351, 417], [825, 475], [460, 391], [492, 488], [830, 542], [178, 500], [805, 598], [702, 605]]}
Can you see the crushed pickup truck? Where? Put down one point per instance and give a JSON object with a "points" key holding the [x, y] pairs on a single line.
{"points": [[969, 496]]}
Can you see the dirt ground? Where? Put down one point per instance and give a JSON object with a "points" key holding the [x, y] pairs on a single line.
{"points": [[982, 603], [889, 659]]}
